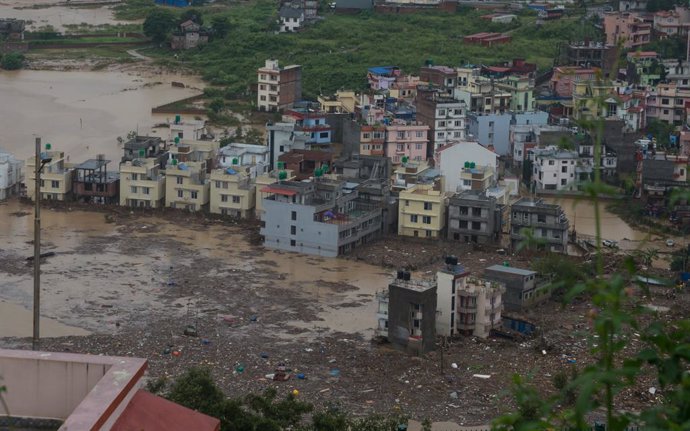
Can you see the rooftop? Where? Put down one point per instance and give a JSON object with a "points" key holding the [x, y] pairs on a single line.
{"points": [[92, 164], [511, 270]]}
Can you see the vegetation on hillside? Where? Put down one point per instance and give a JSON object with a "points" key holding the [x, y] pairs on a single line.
{"points": [[12, 61], [336, 51]]}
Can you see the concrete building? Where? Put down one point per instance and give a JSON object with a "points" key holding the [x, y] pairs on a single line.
{"points": [[406, 140], [189, 35], [479, 307], [48, 390], [524, 288], [342, 102], [278, 88], [555, 169], [412, 314], [443, 78], [94, 184], [474, 217], [313, 125], [382, 77], [255, 159], [291, 18], [493, 130], [326, 217], [667, 102], [56, 176], [232, 192], [451, 160], [449, 281], [11, 28], [629, 28], [187, 183], [10, 175], [191, 130], [141, 147], [262, 182], [372, 140], [476, 178], [675, 22], [306, 163], [524, 137], [444, 115], [588, 54], [422, 211], [142, 183], [548, 224]]}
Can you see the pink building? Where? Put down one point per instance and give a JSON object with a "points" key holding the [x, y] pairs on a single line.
{"points": [[406, 139], [672, 22], [667, 103], [372, 140], [627, 27], [565, 76]]}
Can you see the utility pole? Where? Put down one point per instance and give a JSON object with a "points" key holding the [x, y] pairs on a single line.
{"points": [[37, 244]]}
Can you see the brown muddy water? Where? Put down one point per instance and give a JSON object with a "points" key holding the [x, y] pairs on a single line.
{"points": [[107, 276], [56, 16], [83, 113]]}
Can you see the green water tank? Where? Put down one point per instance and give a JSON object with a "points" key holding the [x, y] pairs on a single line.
{"points": [[235, 161], [142, 152], [467, 164], [405, 159], [282, 175], [317, 172], [472, 165], [48, 147], [281, 165], [178, 118], [174, 162], [177, 140]]}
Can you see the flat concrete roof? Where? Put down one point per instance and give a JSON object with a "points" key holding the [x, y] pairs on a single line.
{"points": [[511, 270]]}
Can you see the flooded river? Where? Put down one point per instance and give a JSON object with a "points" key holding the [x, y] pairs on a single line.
{"points": [[56, 16], [82, 113]]}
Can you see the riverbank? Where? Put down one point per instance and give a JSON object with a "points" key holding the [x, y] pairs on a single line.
{"points": [[137, 279]]}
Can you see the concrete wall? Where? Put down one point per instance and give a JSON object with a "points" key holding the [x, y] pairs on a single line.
{"points": [[400, 306]]}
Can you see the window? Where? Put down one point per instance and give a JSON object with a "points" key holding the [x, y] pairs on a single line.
{"points": [[564, 182], [400, 147], [401, 135], [428, 234], [274, 88], [135, 176], [262, 98], [293, 230], [262, 87], [458, 112], [426, 219], [180, 193], [225, 184], [235, 199], [145, 190], [441, 112], [323, 135], [491, 136], [294, 215], [564, 169], [134, 189], [366, 135], [194, 195], [439, 134], [476, 225], [418, 146], [413, 218], [665, 101], [179, 180], [218, 184], [223, 198], [420, 134], [541, 218], [407, 203], [43, 183], [293, 243], [551, 162], [476, 212], [428, 206], [441, 124], [378, 135], [491, 124]]}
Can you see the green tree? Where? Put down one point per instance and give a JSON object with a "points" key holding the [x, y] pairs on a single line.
{"points": [[192, 15], [220, 27], [158, 25], [217, 105], [12, 61]]}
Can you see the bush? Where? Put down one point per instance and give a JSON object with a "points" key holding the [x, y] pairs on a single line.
{"points": [[12, 61]]}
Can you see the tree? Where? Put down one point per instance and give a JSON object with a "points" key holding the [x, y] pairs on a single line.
{"points": [[192, 15], [220, 26], [216, 105], [12, 61], [254, 136], [158, 25]]}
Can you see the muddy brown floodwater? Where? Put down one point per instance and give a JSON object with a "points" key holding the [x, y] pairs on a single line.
{"points": [[83, 113], [56, 16]]}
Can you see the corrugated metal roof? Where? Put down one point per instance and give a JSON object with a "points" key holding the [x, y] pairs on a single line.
{"points": [[511, 270]]}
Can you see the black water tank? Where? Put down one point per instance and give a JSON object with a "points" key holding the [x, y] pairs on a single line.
{"points": [[406, 276], [401, 274]]}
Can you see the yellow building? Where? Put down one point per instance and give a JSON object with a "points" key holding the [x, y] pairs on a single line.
{"points": [[588, 99], [232, 193], [341, 102], [186, 185], [478, 178], [142, 184], [263, 181], [56, 176], [422, 211], [194, 151]]}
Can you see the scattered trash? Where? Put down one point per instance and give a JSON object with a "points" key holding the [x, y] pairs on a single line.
{"points": [[295, 392], [543, 352], [176, 353], [324, 390], [190, 331], [652, 390], [482, 376], [308, 350], [332, 361], [239, 368], [253, 318], [167, 351], [454, 365], [264, 355], [454, 395], [205, 341], [335, 372], [301, 376]]}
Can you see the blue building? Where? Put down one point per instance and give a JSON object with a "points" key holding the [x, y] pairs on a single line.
{"points": [[176, 3], [494, 129]]}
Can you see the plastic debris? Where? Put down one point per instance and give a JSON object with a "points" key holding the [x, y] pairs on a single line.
{"points": [[264, 355], [454, 365], [295, 392], [652, 390], [205, 341], [301, 376], [454, 395], [335, 372], [482, 376]]}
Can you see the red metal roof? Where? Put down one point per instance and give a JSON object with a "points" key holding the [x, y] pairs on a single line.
{"points": [[278, 191], [147, 412]]}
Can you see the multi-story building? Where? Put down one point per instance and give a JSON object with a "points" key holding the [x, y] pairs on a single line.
{"points": [[629, 28], [479, 307], [678, 72], [232, 192], [372, 140], [324, 217], [141, 147], [493, 130], [422, 211], [548, 224], [474, 217], [313, 125], [252, 158], [186, 185], [524, 287], [674, 22], [477, 178], [451, 160], [291, 18], [406, 139], [188, 35], [524, 137], [449, 281], [554, 169], [444, 115], [588, 54], [412, 314], [382, 77], [278, 88], [305, 163], [644, 68], [343, 102], [56, 176], [667, 103], [262, 182], [191, 130], [10, 175], [442, 77], [142, 183], [520, 90], [93, 183]]}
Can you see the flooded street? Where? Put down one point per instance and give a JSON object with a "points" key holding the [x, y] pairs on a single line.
{"points": [[82, 113], [56, 16]]}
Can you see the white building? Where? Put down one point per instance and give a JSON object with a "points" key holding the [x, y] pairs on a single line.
{"points": [[278, 88], [191, 130], [255, 158], [283, 138], [450, 160], [10, 175], [449, 280], [554, 169], [291, 18]]}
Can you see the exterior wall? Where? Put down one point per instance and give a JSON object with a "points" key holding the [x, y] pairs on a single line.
{"points": [[406, 140], [627, 27], [479, 307], [141, 186], [449, 283], [473, 219], [56, 178], [373, 141], [451, 161], [414, 220], [10, 175], [407, 304], [278, 88], [667, 103], [232, 195], [547, 221], [555, 172], [290, 24], [522, 290], [192, 183]]}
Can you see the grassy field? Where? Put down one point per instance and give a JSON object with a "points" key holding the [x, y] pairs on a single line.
{"points": [[336, 51]]}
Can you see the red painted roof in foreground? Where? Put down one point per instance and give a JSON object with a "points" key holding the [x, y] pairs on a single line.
{"points": [[147, 412], [278, 191]]}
